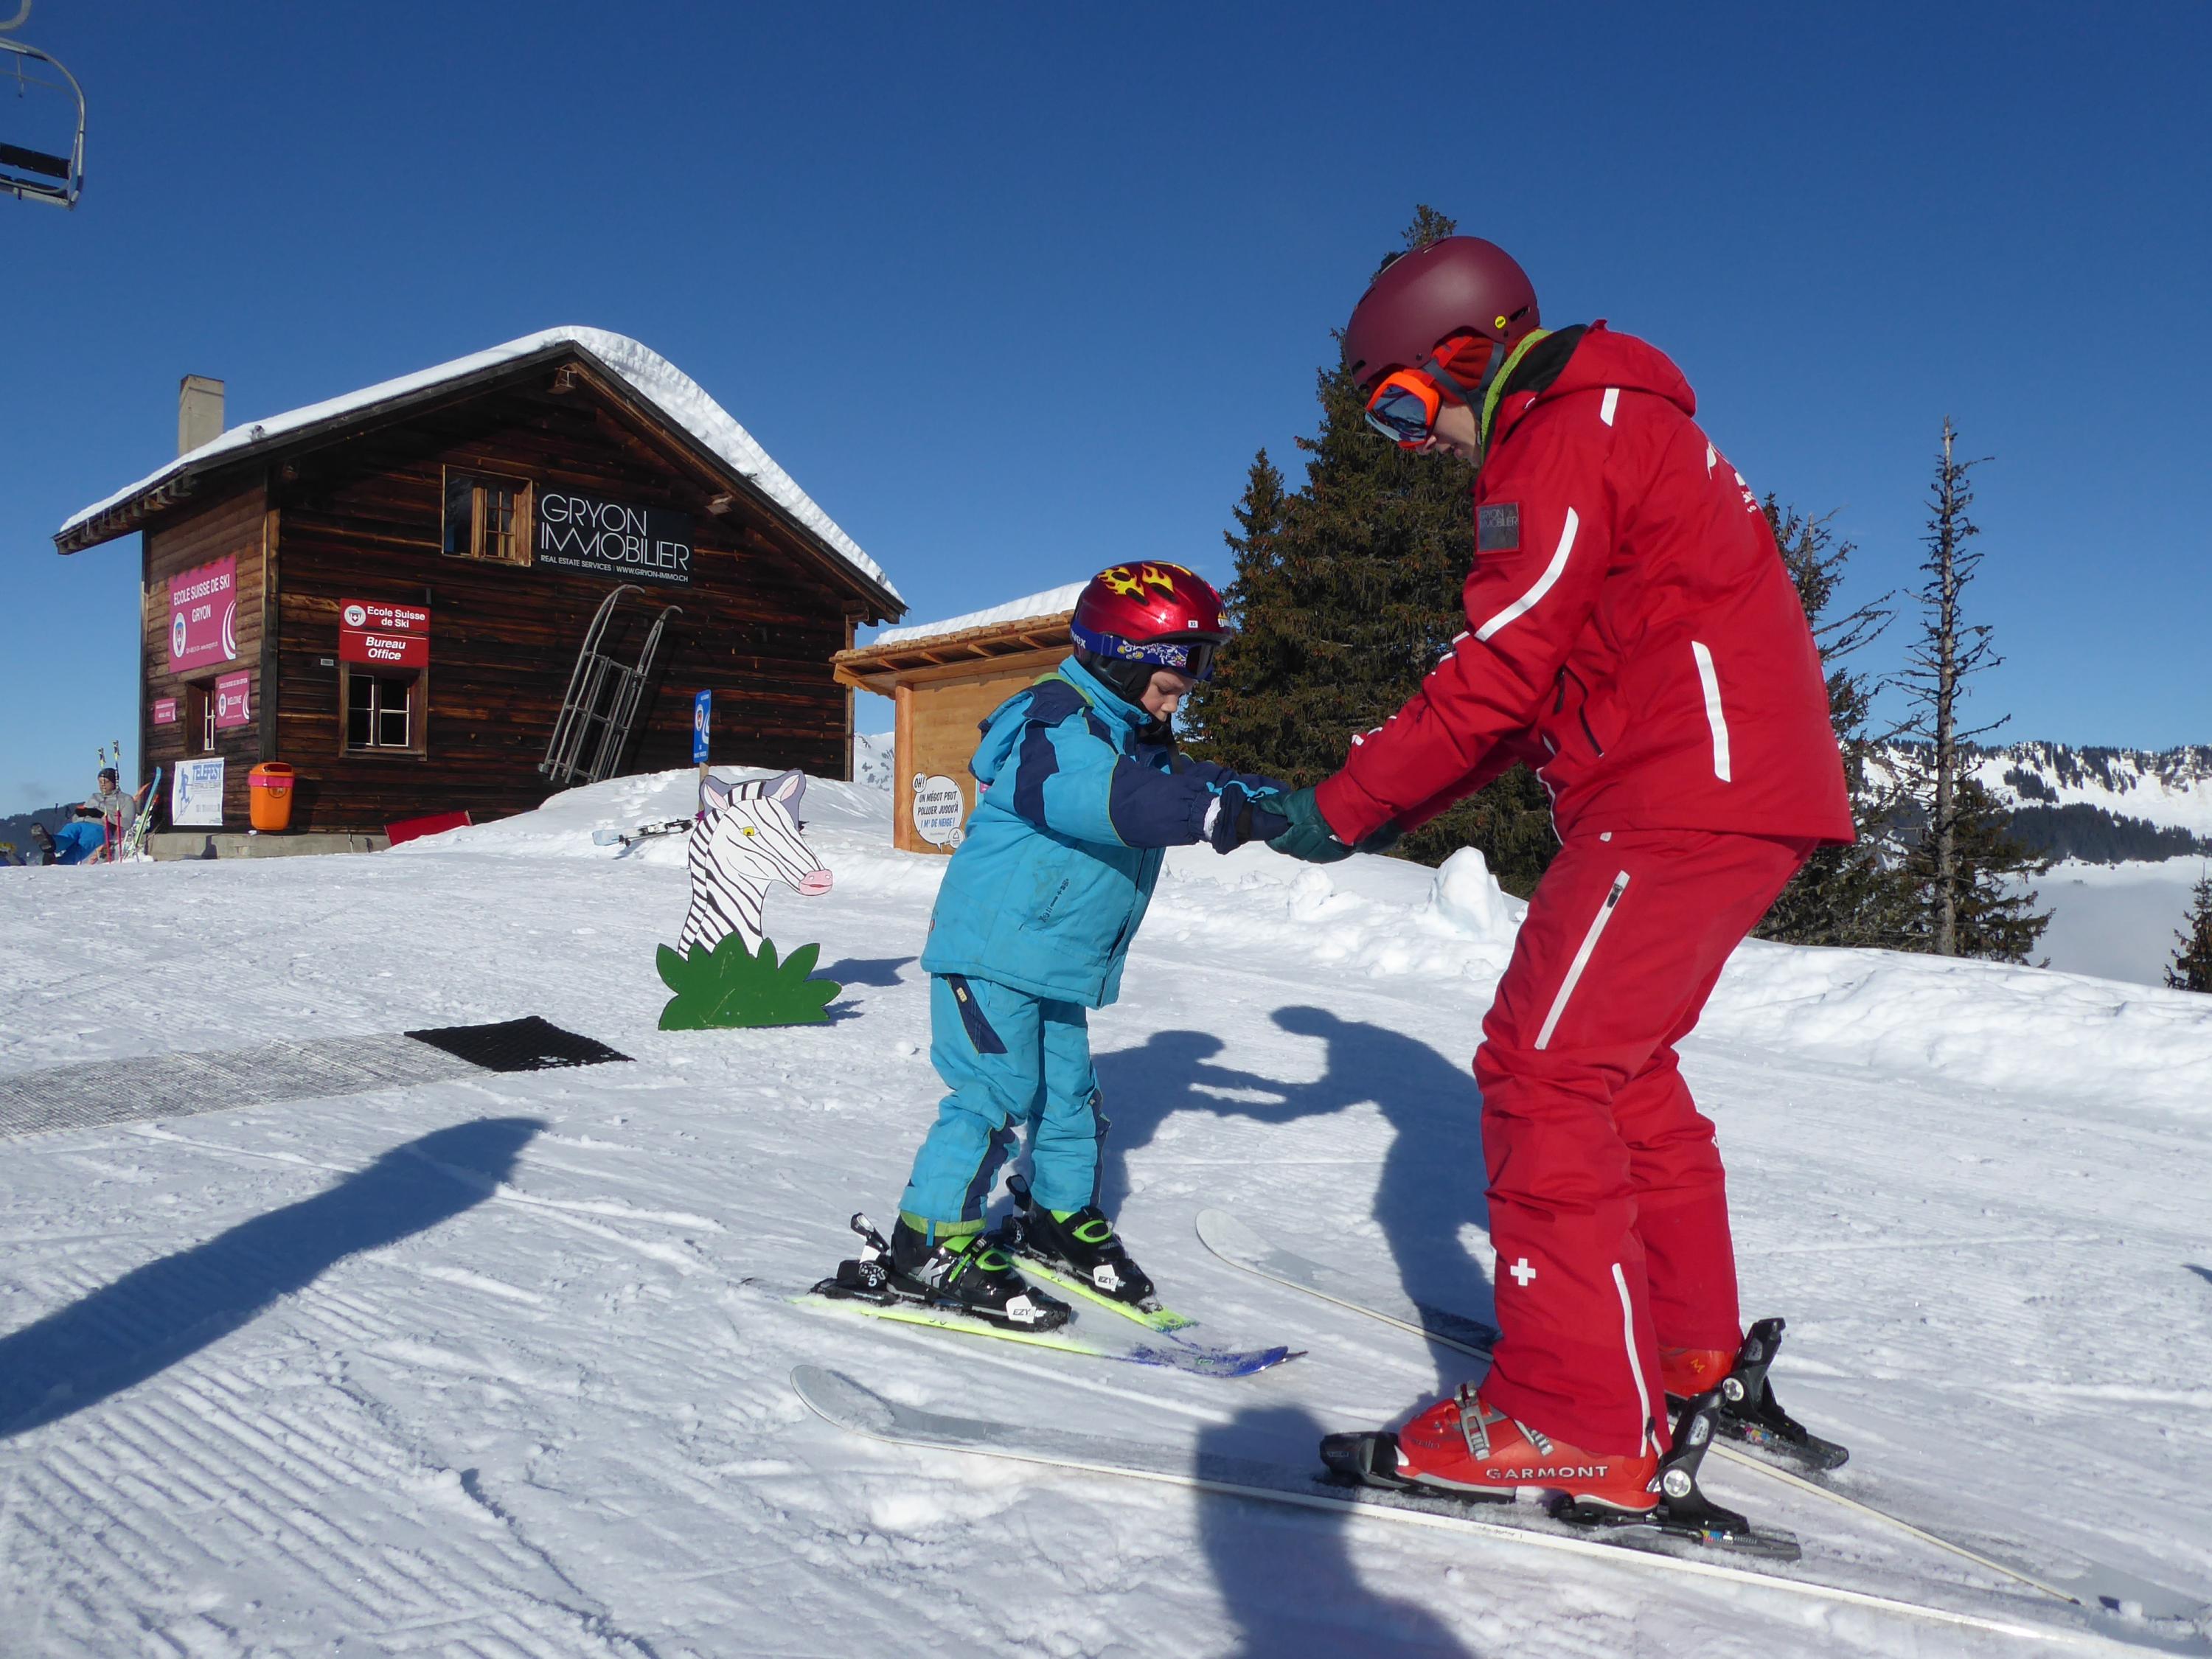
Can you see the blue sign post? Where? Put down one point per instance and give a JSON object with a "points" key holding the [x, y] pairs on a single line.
{"points": [[703, 717]]}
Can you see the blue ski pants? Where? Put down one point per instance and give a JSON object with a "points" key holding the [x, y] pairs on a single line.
{"points": [[1012, 1061]]}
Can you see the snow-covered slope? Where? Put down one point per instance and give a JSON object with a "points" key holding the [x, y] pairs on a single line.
{"points": [[531, 1398]]}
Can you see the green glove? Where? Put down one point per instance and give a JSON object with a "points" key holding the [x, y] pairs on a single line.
{"points": [[1383, 840], [1309, 836]]}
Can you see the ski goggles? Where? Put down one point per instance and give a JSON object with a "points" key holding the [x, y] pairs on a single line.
{"points": [[1405, 402], [1193, 657], [1405, 406]]}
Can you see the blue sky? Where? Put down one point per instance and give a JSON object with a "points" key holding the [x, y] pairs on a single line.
{"points": [[1015, 292]]}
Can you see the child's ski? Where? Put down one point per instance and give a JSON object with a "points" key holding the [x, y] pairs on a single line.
{"points": [[1165, 1321], [1171, 1356], [849, 1406], [1240, 1246]]}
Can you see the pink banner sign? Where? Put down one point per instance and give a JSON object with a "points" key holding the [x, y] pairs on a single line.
{"points": [[233, 694], [203, 615], [164, 711]]}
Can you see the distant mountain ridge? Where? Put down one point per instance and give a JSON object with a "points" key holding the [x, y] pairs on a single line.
{"points": [[2102, 805]]}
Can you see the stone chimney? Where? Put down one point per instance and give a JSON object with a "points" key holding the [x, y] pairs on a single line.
{"points": [[199, 413]]}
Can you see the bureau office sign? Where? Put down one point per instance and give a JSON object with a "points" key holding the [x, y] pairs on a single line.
{"points": [[610, 539]]}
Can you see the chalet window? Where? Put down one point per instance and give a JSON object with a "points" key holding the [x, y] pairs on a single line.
{"points": [[383, 711], [488, 517]]}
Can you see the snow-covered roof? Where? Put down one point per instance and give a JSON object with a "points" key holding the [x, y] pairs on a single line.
{"points": [[1052, 602], [659, 382]]}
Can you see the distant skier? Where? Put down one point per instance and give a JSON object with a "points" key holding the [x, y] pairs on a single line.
{"points": [[1080, 788], [1633, 634]]}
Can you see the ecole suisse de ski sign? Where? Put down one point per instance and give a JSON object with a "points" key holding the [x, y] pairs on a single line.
{"points": [[385, 635]]}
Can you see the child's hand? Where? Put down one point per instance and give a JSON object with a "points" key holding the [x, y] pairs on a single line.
{"points": [[1237, 815]]}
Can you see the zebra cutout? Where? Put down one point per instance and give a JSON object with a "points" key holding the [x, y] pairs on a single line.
{"points": [[747, 840]]}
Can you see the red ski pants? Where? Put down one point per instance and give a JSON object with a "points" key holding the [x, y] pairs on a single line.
{"points": [[1608, 1208]]}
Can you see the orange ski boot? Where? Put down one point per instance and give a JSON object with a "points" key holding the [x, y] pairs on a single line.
{"points": [[1468, 1447]]}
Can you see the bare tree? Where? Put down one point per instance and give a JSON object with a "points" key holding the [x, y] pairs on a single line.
{"points": [[1965, 852]]}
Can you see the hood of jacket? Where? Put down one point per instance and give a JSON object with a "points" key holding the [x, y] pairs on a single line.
{"points": [[1591, 358], [1120, 717]]}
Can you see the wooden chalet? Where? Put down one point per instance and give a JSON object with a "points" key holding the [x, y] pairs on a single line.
{"points": [[442, 594], [943, 678]]}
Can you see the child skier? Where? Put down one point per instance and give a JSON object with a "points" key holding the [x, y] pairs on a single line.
{"points": [[1079, 789]]}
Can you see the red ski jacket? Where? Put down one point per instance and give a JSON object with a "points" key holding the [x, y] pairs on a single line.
{"points": [[1632, 632]]}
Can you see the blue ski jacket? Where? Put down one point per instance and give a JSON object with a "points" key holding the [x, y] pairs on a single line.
{"points": [[1065, 844]]}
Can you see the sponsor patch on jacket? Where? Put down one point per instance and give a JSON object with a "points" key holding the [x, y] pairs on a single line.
{"points": [[1497, 527]]}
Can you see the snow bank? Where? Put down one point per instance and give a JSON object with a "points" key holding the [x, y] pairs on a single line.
{"points": [[1990, 1026], [667, 387], [1052, 602]]}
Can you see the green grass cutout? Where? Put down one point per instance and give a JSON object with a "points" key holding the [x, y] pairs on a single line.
{"points": [[730, 987]]}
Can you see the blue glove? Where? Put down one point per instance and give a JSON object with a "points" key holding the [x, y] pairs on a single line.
{"points": [[1238, 815], [1309, 836]]}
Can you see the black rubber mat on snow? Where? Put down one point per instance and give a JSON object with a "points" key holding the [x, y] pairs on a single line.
{"points": [[517, 1045]]}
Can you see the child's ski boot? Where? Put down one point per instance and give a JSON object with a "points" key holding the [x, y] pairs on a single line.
{"points": [[969, 1274], [1749, 1412], [1082, 1244]]}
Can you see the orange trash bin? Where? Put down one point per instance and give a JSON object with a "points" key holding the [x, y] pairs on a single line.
{"points": [[269, 794]]}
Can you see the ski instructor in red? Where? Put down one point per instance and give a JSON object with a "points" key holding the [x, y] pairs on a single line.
{"points": [[1633, 635]]}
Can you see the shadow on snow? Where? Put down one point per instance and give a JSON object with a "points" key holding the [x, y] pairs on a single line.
{"points": [[130, 1329], [1286, 1576], [1431, 1185]]}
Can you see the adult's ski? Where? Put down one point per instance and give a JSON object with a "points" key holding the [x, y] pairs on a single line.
{"points": [[839, 1399], [1242, 1245]]}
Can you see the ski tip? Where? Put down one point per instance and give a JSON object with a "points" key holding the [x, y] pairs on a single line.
{"points": [[1225, 1235], [835, 1398]]}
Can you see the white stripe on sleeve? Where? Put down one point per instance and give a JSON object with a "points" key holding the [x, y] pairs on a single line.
{"points": [[1528, 602], [1612, 402], [1714, 718]]}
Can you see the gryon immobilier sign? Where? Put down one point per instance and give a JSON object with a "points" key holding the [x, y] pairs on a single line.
{"points": [[609, 539]]}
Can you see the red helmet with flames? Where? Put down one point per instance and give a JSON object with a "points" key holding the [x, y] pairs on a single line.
{"points": [[1148, 614]]}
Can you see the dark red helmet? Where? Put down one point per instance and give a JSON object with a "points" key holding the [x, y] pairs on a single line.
{"points": [[1150, 615], [1457, 285]]}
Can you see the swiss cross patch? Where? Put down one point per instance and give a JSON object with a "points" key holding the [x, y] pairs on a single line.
{"points": [[1497, 527]]}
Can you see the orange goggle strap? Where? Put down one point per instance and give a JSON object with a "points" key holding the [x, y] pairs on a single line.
{"points": [[1414, 380]]}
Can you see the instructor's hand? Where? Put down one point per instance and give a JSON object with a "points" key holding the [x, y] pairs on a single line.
{"points": [[1309, 836]]}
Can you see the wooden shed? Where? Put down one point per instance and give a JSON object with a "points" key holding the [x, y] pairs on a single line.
{"points": [[394, 592], [943, 678]]}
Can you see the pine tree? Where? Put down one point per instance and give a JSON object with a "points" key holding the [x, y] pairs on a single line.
{"points": [[2192, 968], [1346, 593], [1964, 863], [1238, 713], [1852, 895]]}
